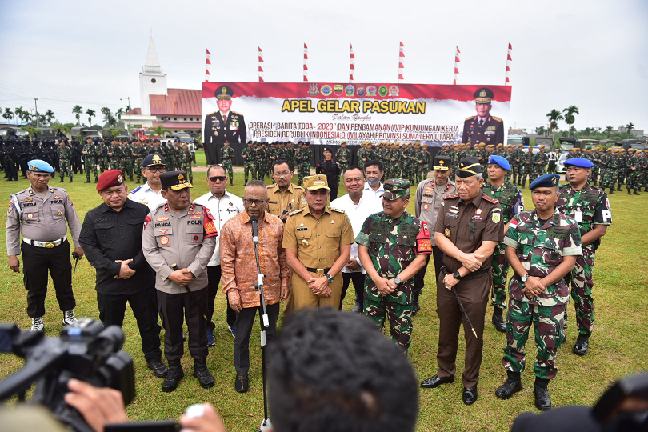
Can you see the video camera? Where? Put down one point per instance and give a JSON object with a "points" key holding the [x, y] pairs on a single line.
{"points": [[89, 352]]}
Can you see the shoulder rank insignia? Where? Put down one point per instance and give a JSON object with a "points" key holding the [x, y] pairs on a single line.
{"points": [[497, 119], [490, 199], [294, 212], [451, 196], [337, 210]]}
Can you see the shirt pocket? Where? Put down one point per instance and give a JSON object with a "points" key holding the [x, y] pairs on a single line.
{"points": [[104, 231], [58, 211], [31, 216], [163, 236], [194, 234]]}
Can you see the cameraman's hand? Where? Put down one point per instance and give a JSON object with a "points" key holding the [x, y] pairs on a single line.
{"points": [[209, 421], [97, 405]]}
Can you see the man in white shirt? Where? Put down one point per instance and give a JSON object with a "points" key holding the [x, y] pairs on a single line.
{"points": [[357, 205], [374, 172], [150, 193], [223, 206]]}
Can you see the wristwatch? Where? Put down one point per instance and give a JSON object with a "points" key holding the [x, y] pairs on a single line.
{"points": [[329, 278], [456, 275], [397, 280], [525, 277]]}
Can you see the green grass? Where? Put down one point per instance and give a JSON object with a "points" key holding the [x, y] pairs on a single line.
{"points": [[619, 343]]}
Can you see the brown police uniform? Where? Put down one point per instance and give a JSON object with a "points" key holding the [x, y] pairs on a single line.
{"points": [[466, 224], [280, 203], [317, 244]]}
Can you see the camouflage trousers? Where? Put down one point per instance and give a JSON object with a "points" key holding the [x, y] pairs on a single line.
{"points": [[248, 169], [582, 283], [227, 166], [303, 171], [399, 316], [90, 165], [548, 333], [500, 269], [65, 169]]}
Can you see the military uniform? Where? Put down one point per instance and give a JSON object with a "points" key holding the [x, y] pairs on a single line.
{"points": [[393, 244], [489, 130], [64, 155], [90, 154], [248, 161], [221, 127], [281, 203], [343, 156], [228, 156]]}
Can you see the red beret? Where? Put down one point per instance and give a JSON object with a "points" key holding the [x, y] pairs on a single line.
{"points": [[110, 178]]}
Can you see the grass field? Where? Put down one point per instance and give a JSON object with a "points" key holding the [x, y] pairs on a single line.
{"points": [[619, 345]]}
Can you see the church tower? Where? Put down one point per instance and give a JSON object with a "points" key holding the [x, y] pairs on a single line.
{"points": [[152, 79]]}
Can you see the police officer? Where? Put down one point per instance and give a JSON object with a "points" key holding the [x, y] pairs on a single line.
{"points": [[318, 241], [542, 246], [510, 201], [111, 237], [178, 241], [40, 213], [468, 229], [150, 193], [590, 208], [283, 195], [392, 247], [483, 127], [222, 125]]}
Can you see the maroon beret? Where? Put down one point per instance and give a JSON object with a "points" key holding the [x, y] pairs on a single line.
{"points": [[110, 178]]}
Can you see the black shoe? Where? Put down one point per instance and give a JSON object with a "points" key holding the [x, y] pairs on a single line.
{"points": [[205, 378], [158, 368], [512, 385], [173, 377], [435, 381], [581, 345], [541, 398], [498, 321], [469, 395], [241, 383]]}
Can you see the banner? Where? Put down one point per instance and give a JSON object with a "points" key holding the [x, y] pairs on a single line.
{"points": [[329, 113]]}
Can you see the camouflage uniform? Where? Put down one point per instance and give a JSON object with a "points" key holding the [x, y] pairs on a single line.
{"points": [[540, 247], [392, 245], [128, 153], [228, 155], [64, 154], [342, 156], [90, 152], [588, 207], [248, 161], [303, 158]]}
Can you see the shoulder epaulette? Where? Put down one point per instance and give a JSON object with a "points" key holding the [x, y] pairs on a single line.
{"points": [[497, 119], [270, 186], [490, 199], [298, 187], [450, 196], [294, 212], [470, 118], [337, 210]]}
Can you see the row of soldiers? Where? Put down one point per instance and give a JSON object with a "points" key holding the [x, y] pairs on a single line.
{"points": [[259, 157]]}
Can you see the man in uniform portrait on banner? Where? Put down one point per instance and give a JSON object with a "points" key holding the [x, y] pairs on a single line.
{"points": [[483, 127], [222, 125]]}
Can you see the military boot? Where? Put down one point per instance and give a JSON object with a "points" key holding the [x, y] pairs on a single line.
{"points": [[205, 378], [512, 385], [498, 321], [173, 377], [541, 397], [581, 345]]}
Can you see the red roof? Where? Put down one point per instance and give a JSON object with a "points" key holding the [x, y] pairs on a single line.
{"points": [[137, 111], [180, 125], [177, 102]]}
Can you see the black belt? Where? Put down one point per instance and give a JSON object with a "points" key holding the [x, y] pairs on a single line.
{"points": [[319, 270]]}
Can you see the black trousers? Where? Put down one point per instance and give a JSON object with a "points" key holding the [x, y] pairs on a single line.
{"points": [[176, 308], [112, 308], [213, 279], [358, 279], [244, 323], [419, 278], [211, 153], [36, 263]]}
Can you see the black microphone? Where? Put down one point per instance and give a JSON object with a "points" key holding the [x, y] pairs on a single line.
{"points": [[255, 230]]}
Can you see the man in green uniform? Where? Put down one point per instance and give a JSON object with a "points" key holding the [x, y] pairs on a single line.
{"points": [[90, 153], [305, 157], [64, 155], [248, 160], [510, 201], [228, 157], [392, 247], [542, 247], [590, 208], [343, 156]]}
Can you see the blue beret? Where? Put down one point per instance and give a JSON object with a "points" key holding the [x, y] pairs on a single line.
{"points": [[578, 162], [545, 180], [37, 165], [501, 161]]}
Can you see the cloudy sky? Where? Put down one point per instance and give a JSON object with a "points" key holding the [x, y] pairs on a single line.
{"points": [[592, 54]]}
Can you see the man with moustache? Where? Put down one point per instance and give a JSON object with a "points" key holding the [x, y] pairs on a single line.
{"points": [[283, 195]]}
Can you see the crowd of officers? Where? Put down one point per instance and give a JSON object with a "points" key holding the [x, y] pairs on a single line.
{"points": [[165, 254]]}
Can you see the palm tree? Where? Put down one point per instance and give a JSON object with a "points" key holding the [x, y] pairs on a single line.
{"points": [[540, 130], [629, 127], [8, 114], [554, 117], [119, 113], [49, 116], [90, 113], [77, 111], [570, 114], [22, 114], [107, 114], [608, 130], [160, 131]]}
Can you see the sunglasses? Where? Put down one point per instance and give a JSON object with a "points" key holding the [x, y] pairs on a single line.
{"points": [[217, 178]]}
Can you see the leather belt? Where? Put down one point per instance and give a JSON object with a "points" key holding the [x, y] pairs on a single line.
{"points": [[318, 270], [47, 244]]}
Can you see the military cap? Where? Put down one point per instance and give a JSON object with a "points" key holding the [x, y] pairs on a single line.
{"points": [[152, 159], [441, 163], [316, 182], [40, 166], [500, 161], [110, 178], [483, 95], [545, 180], [469, 167], [174, 180], [578, 162], [223, 92], [396, 188]]}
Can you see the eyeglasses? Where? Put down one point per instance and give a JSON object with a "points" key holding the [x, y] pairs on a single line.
{"points": [[217, 178], [252, 201], [154, 170]]}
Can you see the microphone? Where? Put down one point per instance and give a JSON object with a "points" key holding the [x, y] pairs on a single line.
{"points": [[255, 230]]}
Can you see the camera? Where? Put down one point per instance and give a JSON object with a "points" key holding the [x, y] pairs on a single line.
{"points": [[89, 352]]}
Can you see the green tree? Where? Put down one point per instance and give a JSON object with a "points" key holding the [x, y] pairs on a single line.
{"points": [[105, 111], [77, 111], [119, 113], [629, 127], [49, 116], [160, 131], [8, 114], [90, 113], [554, 117], [608, 130], [23, 114], [540, 130], [570, 114]]}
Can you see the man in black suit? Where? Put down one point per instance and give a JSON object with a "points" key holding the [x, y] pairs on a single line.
{"points": [[222, 125]]}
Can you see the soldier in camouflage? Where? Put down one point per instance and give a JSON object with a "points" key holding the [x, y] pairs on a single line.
{"points": [[303, 158], [392, 247], [90, 153], [590, 208], [343, 156], [228, 158], [510, 201], [542, 247], [247, 154], [64, 155]]}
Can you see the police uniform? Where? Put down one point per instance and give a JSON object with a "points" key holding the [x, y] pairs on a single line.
{"points": [[317, 243], [41, 218], [489, 130], [282, 202], [221, 127], [174, 240], [143, 194]]}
